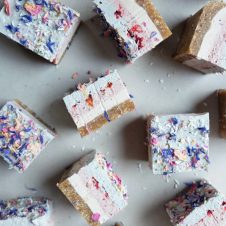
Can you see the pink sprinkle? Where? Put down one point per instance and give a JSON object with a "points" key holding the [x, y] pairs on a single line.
{"points": [[7, 7], [4, 130], [154, 141], [75, 75], [33, 9], [45, 17], [107, 72], [96, 217]]}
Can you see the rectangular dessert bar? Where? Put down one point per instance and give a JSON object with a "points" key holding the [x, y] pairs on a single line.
{"points": [[45, 27], [222, 112], [199, 205], [22, 136], [26, 211], [136, 25], [203, 43], [178, 143], [97, 103], [94, 189]]}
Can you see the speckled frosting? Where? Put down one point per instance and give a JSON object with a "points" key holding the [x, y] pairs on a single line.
{"points": [[44, 26], [178, 143], [199, 205], [25, 211], [100, 192], [131, 24], [22, 137], [99, 102]]}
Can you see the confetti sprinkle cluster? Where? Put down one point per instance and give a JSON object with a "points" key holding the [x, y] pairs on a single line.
{"points": [[44, 26], [30, 208], [179, 143], [22, 137], [197, 205]]}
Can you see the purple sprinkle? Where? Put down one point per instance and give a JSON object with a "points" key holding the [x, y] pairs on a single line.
{"points": [[70, 15], [174, 120], [153, 33], [23, 42], [26, 19], [11, 28], [106, 116], [3, 117], [41, 139], [18, 8], [7, 152], [50, 45]]}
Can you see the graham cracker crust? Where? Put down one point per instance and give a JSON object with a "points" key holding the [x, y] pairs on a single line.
{"points": [[101, 120], [195, 30], [155, 17], [77, 202], [222, 112]]}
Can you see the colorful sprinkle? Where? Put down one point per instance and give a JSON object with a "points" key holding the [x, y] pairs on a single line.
{"points": [[95, 217], [7, 7], [33, 9]]}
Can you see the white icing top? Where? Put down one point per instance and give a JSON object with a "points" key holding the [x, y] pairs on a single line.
{"points": [[40, 25], [133, 25], [179, 143]]}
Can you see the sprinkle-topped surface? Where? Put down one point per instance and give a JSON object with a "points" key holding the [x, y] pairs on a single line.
{"points": [[43, 26], [96, 99], [22, 137], [201, 200], [179, 143], [131, 26], [33, 209]]}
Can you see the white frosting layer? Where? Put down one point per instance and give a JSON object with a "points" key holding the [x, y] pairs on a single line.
{"points": [[105, 93], [127, 16], [95, 185], [213, 47]]}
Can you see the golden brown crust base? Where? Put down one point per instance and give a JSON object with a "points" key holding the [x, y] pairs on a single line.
{"points": [[77, 202], [113, 114], [155, 17], [195, 30], [26, 108], [222, 112]]}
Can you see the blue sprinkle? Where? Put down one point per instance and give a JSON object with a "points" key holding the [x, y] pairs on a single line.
{"points": [[167, 153], [189, 151], [23, 42], [26, 19], [174, 120], [27, 130], [106, 116], [39, 2], [41, 139], [50, 45], [3, 117], [70, 15], [131, 96], [154, 33], [153, 130], [203, 130], [7, 152], [13, 212], [11, 28], [18, 8]]}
